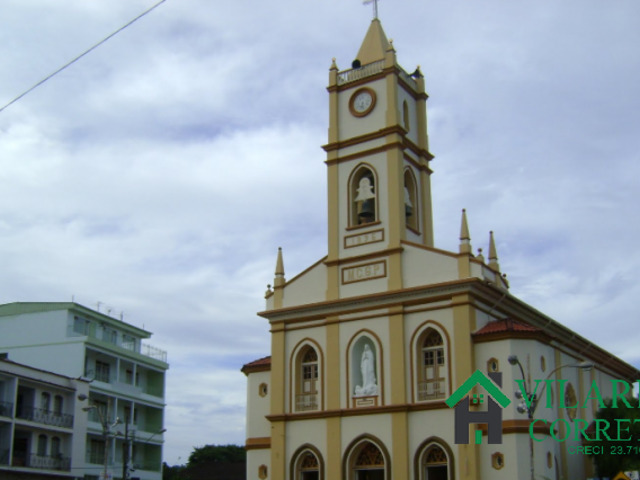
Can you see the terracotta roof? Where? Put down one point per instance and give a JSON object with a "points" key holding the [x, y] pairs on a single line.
{"points": [[261, 365], [505, 325]]}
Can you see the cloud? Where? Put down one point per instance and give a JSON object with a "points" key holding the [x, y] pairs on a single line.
{"points": [[160, 173]]}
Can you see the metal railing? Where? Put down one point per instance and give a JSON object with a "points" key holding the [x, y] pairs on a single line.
{"points": [[96, 457], [306, 401], [6, 409], [430, 390], [43, 462], [45, 416], [153, 352]]}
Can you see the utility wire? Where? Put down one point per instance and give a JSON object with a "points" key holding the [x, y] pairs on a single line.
{"points": [[81, 55]]}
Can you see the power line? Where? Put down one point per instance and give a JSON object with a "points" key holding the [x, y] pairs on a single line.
{"points": [[81, 55]]}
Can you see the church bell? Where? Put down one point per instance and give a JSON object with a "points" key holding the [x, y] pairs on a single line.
{"points": [[367, 212]]}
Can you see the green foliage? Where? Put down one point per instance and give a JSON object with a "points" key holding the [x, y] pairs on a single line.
{"points": [[204, 462], [217, 454], [615, 456], [175, 472]]}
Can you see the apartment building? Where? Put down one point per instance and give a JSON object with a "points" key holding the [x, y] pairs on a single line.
{"points": [[42, 425], [124, 406]]}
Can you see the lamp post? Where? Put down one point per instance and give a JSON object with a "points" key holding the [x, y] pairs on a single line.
{"points": [[530, 407]]}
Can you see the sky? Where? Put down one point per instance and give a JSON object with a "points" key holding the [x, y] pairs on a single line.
{"points": [[160, 173]]}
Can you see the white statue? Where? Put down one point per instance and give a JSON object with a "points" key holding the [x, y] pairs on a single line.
{"points": [[367, 369]]}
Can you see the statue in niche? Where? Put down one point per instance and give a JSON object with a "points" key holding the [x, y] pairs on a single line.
{"points": [[367, 369]]}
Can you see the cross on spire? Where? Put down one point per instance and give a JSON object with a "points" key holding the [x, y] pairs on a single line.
{"points": [[375, 6]]}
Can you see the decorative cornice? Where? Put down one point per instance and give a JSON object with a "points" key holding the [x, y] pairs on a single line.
{"points": [[351, 412], [257, 443]]}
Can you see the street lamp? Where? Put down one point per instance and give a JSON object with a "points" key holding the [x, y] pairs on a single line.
{"points": [[530, 407]]}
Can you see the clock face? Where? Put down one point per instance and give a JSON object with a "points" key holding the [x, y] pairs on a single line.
{"points": [[362, 102]]}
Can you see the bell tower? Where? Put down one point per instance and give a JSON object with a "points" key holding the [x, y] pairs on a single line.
{"points": [[379, 192]]}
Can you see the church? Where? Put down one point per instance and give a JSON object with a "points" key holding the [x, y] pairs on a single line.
{"points": [[370, 343]]}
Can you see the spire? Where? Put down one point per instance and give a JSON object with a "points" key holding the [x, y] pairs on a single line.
{"points": [[493, 255], [374, 45], [279, 280], [465, 238]]}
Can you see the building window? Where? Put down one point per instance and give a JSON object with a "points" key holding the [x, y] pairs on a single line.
{"points": [[96, 452], [103, 371], [435, 463], [263, 389], [363, 197], [128, 342], [405, 115], [570, 400], [110, 335], [307, 466], [367, 463], [57, 404], [42, 445], [411, 200], [45, 401], [263, 472], [543, 363], [56, 450], [433, 370], [493, 365], [497, 460], [81, 325], [308, 379]]}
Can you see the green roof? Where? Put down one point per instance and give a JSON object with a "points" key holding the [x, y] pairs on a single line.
{"points": [[23, 308]]}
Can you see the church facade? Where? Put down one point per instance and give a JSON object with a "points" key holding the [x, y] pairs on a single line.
{"points": [[369, 342]]}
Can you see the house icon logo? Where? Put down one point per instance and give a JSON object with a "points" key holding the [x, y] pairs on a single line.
{"points": [[492, 417]]}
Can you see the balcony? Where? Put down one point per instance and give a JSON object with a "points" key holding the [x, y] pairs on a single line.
{"points": [[354, 74], [430, 390], [153, 352], [45, 417], [306, 401], [43, 462]]}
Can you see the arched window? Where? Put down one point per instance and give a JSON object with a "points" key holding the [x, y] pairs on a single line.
{"points": [[367, 463], [571, 400], [434, 460], [405, 115], [307, 465], [435, 463], [411, 200], [307, 384], [363, 194], [433, 371]]}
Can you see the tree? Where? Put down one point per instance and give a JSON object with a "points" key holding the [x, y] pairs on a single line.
{"points": [[217, 454], [620, 452], [175, 472]]}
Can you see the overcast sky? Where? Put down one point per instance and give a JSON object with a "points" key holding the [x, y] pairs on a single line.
{"points": [[160, 173]]}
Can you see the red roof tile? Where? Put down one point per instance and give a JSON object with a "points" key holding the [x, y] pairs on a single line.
{"points": [[505, 325], [260, 365]]}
